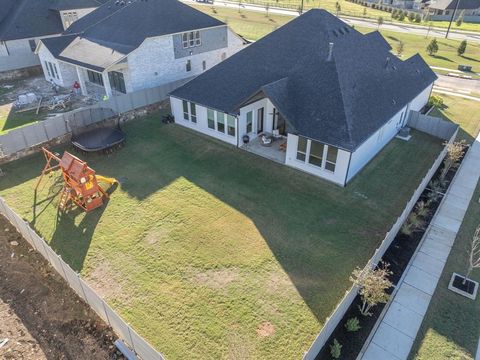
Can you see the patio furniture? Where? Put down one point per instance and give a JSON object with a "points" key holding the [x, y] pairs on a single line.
{"points": [[283, 146], [266, 140]]}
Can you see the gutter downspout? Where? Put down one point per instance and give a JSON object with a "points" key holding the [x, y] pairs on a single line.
{"points": [[348, 169]]}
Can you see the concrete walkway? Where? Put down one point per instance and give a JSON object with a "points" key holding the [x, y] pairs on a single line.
{"points": [[398, 329]]}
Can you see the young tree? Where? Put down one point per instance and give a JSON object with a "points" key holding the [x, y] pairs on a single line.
{"points": [[473, 254], [373, 284], [432, 48], [455, 152], [338, 7], [400, 48], [459, 21], [394, 14], [418, 18], [411, 16], [335, 349], [380, 22], [267, 8], [364, 11], [401, 16], [462, 47]]}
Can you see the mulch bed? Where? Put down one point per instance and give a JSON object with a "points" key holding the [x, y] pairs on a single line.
{"points": [[398, 255]]}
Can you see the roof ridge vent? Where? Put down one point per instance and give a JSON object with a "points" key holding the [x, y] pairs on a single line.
{"points": [[330, 51], [387, 61]]}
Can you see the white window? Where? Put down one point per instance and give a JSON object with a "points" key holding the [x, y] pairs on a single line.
{"points": [[317, 154], [189, 111], [221, 122], [69, 18], [249, 122], [191, 39], [52, 70]]}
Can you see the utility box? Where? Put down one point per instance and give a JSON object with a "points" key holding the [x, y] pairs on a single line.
{"points": [[465, 68]]}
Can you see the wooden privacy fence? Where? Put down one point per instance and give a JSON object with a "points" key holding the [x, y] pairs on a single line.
{"points": [[337, 315], [43, 131], [139, 345]]}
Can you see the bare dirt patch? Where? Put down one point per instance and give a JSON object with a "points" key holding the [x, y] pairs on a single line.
{"points": [[217, 279], [106, 282], [155, 235], [41, 316], [279, 283], [265, 329]]}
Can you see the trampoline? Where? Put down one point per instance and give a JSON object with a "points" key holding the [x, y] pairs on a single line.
{"points": [[100, 139]]}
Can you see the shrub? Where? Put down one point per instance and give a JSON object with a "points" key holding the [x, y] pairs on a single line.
{"points": [[352, 324], [418, 18], [400, 48], [462, 47], [412, 224], [435, 191], [394, 14], [335, 349], [436, 101], [411, 17], [380, 21], [401, 16], [432, 48], [422, 209], [373, 284], [455, 152]]}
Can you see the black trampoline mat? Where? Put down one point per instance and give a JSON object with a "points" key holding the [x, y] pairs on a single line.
{"points": [[98, 139]]}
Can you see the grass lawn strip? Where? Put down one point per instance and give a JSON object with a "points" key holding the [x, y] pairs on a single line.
{"points": [[451, 327], [206, 249]]}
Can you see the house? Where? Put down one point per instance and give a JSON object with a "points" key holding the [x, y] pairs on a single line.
{"points": [[469, 10], [24, 22], [324, 98], [126, 46]]}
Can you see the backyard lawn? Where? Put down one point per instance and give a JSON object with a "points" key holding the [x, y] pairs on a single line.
{"points": [[463, 112], [451, 327], [212, 252], [253, 25]]}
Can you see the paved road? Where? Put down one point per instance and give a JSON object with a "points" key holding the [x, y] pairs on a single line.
{"points": [[411, 29], [464, 86]]}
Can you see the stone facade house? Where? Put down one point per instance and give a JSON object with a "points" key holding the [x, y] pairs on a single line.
{"points": [[126, 46]]}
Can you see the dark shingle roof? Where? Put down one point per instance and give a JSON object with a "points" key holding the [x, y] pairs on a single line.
{"points": [[21, 19], [340, 102], [450, 4], [114, 30]]}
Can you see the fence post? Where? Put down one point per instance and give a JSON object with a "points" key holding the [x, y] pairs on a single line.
{"points": [[46, 251], [131, 338], [29, 230], [106, 313], [83, 290], [61, 265]]}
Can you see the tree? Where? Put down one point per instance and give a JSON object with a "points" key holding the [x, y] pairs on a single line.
{"points": [[400, 48], [436, 101], [401, 16], [373, 284], [462, 47], [432, 48], [379, 22], [459, 21], [418, 18], [394, 14], [338, 7], [455, 152], [364, 11], [267, 8], [473, 254], [411, 17]]}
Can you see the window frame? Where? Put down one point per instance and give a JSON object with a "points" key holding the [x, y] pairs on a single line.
{"points": [[302, 152], [191, 39], [326, 163], [329, 162], [220, 123], [95, 77], [249, 122], [315, 156], [211, 120], [193, 112], [230, 126], [186, 113]]}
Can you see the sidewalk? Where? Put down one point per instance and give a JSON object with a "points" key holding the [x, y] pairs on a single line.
{"points": [[394, 337]]}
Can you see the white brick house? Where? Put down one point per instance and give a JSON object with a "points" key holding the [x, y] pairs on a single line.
{"points": [[326, 111], [104, 62], [24, 22]]}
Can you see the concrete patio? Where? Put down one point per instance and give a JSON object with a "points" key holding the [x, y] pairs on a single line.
{"points": [[398, 329], [272, 152]]}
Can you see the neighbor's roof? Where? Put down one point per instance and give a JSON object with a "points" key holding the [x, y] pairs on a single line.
{"points": [[118, 27], [21, 19], [450, 4], [340, 102]]}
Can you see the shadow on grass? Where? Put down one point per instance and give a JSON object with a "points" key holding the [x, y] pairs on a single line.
{"points": [[19, 119], [462, 134], [439, 57], [470, 58], [317, 231]]}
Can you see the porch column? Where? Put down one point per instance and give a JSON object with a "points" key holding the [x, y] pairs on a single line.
{"points": [[81, 80], [106, 84]]}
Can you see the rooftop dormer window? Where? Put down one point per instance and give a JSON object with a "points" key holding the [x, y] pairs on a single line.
{"points": [[191, 39], [69, 17]]}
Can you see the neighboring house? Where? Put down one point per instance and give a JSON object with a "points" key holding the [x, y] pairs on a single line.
{"points": [[333, 96], [126, 46], [469, 10], [24, 22]]}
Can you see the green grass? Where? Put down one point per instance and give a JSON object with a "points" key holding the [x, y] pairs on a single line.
{"points": [[254, 25], [451, 327], [463, 112], [205, 248], [10, 120], [357, 10]]}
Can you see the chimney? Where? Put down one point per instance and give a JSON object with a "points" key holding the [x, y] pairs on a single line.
{"points": [[330, 51]]}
